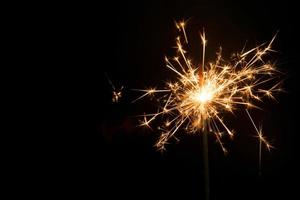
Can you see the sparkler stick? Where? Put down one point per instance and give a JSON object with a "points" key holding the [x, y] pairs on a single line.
{"points": [[197, 100], [204, 129], [205, 161]]}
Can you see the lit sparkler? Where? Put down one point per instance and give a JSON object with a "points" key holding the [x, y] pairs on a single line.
{"points": [[200, 95]]}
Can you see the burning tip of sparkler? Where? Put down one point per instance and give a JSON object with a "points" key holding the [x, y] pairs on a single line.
{"points": [[203, 96]]}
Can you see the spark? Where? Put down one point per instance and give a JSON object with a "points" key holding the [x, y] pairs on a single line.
{"points": [[181, 27], [200, 95], [116, 93], [262, 140]]}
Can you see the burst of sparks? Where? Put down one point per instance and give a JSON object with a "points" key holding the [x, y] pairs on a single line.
{"points": [[200, 95]]}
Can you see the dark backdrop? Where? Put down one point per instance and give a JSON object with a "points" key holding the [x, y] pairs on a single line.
{"points": [[108, 156]]}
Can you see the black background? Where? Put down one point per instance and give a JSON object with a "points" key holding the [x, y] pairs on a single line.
{"points": [[105, 153]]}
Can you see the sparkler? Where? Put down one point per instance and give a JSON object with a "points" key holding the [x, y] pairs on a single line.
{"points": [[200, 95]]}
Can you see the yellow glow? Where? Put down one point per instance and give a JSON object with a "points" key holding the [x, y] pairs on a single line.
{"points": [[200, 95], [204, 95]]}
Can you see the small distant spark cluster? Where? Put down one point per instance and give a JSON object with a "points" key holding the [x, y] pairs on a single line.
{"points": [[201, 94], [116, 93]]}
